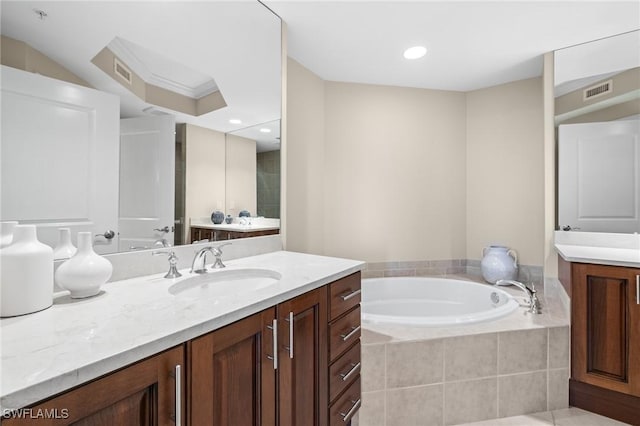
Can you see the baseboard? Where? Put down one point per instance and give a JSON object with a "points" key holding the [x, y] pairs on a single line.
{"points": [[616, 405]]}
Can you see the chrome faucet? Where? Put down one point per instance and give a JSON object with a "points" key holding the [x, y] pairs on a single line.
{"points": [[198, 265], [173, 261], [534, 303]]}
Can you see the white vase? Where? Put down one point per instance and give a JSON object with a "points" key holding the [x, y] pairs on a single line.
{"points": [[64, 249], [85, 272], [6, 232], [26, 276], [499, 263]]}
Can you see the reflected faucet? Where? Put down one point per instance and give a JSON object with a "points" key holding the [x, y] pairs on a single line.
{"points": [[534, 303], [198, 266]]}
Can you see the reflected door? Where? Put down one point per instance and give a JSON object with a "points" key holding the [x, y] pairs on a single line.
{"points": [[59, 157], [599, 176], [147, 163]]}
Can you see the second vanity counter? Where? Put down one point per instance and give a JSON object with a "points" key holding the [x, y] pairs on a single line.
{"points": [[77, 340]]}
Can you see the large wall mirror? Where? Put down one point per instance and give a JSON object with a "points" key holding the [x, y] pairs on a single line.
{"points": [[597, 117], [140, 118]]}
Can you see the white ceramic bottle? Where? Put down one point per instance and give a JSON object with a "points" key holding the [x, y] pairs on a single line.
{"points": [[26, 274], [499, 263], [85, 272], [64, 249], [6, 232]]}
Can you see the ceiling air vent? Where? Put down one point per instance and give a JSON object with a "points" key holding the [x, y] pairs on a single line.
{"points": [[122, 71], [598, 90]]}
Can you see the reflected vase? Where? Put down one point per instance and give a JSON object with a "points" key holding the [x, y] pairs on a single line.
{"points": [[6, 232], [64, 249], [499, 263], [84, 273]]}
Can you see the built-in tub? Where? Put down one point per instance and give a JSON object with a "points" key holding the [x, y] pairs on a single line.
{"points": [[432, 301]]}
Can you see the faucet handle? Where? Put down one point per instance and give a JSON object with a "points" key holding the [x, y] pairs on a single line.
{"points": [[173, 262], [217, 252]]}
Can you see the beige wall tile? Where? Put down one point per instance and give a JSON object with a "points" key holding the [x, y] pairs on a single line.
{"points": [[415, 406], [558, 389], [400, 273], [372, 410], [522, 394], [373, 367], [521, 351], [470, 357], [559, 347], [414, 363], [470, 401]]}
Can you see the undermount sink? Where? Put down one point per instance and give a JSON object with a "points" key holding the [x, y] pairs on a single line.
{"points": [[225, 282]]}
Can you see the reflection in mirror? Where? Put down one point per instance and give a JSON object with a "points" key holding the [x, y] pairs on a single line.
{"points": [[96, 112], [597, 117]]}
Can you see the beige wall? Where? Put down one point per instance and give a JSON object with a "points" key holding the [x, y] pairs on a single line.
{"points": [[204, 154], [240, 175], [304, 161], [505, 169], [398, 174], [394, 173]]}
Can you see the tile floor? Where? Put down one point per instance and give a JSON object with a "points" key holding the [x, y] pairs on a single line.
{"points": [[564, 417]]}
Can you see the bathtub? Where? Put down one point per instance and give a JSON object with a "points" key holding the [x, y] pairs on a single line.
{"points": [[432, 301]]}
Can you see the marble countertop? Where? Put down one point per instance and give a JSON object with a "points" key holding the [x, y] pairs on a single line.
{"points": [[600, 255], [77, 340], [256, 225]]}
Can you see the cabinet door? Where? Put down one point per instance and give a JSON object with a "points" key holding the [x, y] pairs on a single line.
{"points": [[606, 327], [303, 369], [232, 374], [142, 394]]}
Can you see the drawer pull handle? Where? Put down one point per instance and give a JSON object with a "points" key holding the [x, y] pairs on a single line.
{"points": [[274, 329], [347, 416], [354, 330], [354, 368], [637, 289], [348, 295]]}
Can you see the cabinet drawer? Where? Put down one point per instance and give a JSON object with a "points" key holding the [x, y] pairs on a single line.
{"points": [[346, 406], [343, 333], [344, 371], [344, 294]]}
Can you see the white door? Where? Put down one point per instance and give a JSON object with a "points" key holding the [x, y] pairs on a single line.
{"points": [[147, 164], [599, 176], [59, 157]]}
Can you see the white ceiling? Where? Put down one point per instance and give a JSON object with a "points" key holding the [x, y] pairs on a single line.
{"points": [[471, 45]]}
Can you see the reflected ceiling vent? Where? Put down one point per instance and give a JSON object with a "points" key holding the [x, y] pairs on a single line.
{"points": [[122, 71], [597, 90], [159, 80]]}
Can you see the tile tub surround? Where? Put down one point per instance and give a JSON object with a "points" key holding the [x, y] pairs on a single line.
{"points": [[75, 341], [515, 365], [423, 268]]}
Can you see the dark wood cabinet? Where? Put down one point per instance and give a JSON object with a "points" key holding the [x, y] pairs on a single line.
{"points": [[303, 390], [232, 374], [198, 234], [141, 394], [605, 340]]}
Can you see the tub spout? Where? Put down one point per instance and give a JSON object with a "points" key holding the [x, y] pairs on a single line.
{"points": [[534, 303]]}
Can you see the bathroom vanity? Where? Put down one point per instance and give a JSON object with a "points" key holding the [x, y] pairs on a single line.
{"points": [[605, 329], [287, 353], [205, 230]]}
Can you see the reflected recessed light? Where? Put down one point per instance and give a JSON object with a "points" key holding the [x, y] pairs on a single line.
{"points": [[235, 121], [415, 52], [265, 130]]}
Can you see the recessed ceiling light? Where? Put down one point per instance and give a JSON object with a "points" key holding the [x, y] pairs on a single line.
{"points": [[235, 121], [415, 52], [265, 130]]}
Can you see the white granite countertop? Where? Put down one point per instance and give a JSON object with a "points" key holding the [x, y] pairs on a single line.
{"points": [[78, 340], [599, 248], [256, 225]]}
